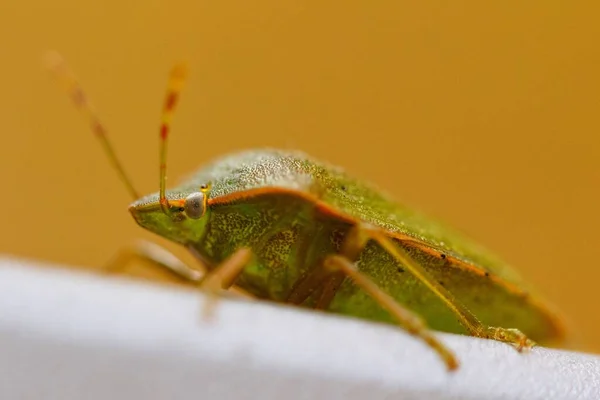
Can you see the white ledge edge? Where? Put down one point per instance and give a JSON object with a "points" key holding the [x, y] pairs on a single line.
{"points": [[72, 335]]}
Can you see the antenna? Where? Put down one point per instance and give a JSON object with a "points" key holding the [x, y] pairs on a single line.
{"points": [[176, 80], [67, 79]]}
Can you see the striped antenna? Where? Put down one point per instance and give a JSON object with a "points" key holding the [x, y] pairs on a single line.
{"points": [[176, 80], [67, 79]]}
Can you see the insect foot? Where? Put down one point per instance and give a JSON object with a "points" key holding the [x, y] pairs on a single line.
{"points": [[514, 337]]}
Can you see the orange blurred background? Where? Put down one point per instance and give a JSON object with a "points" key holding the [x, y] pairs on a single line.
{"points": [[485, 115]]}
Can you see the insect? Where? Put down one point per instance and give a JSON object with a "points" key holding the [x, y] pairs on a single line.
{"points": [[288, 228]]}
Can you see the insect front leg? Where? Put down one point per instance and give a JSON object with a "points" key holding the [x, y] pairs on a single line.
{"points": [[511, 336], [153, 254], [223, 277]]}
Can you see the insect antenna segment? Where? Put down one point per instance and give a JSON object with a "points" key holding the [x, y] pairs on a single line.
{"points": [[67, 79], [176, 81]]}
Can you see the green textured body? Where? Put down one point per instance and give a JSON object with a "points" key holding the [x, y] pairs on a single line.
{"points": [[292, 211]]}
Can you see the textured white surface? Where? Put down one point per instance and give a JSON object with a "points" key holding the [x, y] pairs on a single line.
{"points": [[66, 335]]}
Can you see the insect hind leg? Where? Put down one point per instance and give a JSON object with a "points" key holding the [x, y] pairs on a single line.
{"points": [[513, 337], [409, 320], [330, 274]]}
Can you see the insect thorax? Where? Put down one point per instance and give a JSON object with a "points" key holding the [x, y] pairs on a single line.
{"points": [[287, 235]]}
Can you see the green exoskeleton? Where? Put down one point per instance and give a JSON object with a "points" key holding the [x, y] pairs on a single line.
{"points": [[285, 227]]}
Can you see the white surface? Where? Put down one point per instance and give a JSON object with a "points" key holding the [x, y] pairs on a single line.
{"points": [[66, 335]]}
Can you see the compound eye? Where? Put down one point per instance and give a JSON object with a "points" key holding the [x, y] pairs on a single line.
{"points": [[195, 205]]}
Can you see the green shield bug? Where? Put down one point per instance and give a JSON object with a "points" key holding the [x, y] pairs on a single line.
{"points": [[285, 227]]}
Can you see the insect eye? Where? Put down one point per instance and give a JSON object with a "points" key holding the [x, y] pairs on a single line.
{"points": [[195, 205]]}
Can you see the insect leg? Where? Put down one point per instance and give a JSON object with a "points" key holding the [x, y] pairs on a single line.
{"points": [[512, 336], [320, 283], [328, 282], [330, 288], [223, 277], [411, 322], [353, 245], [156, 255], [330, 275], [325, 280]]}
